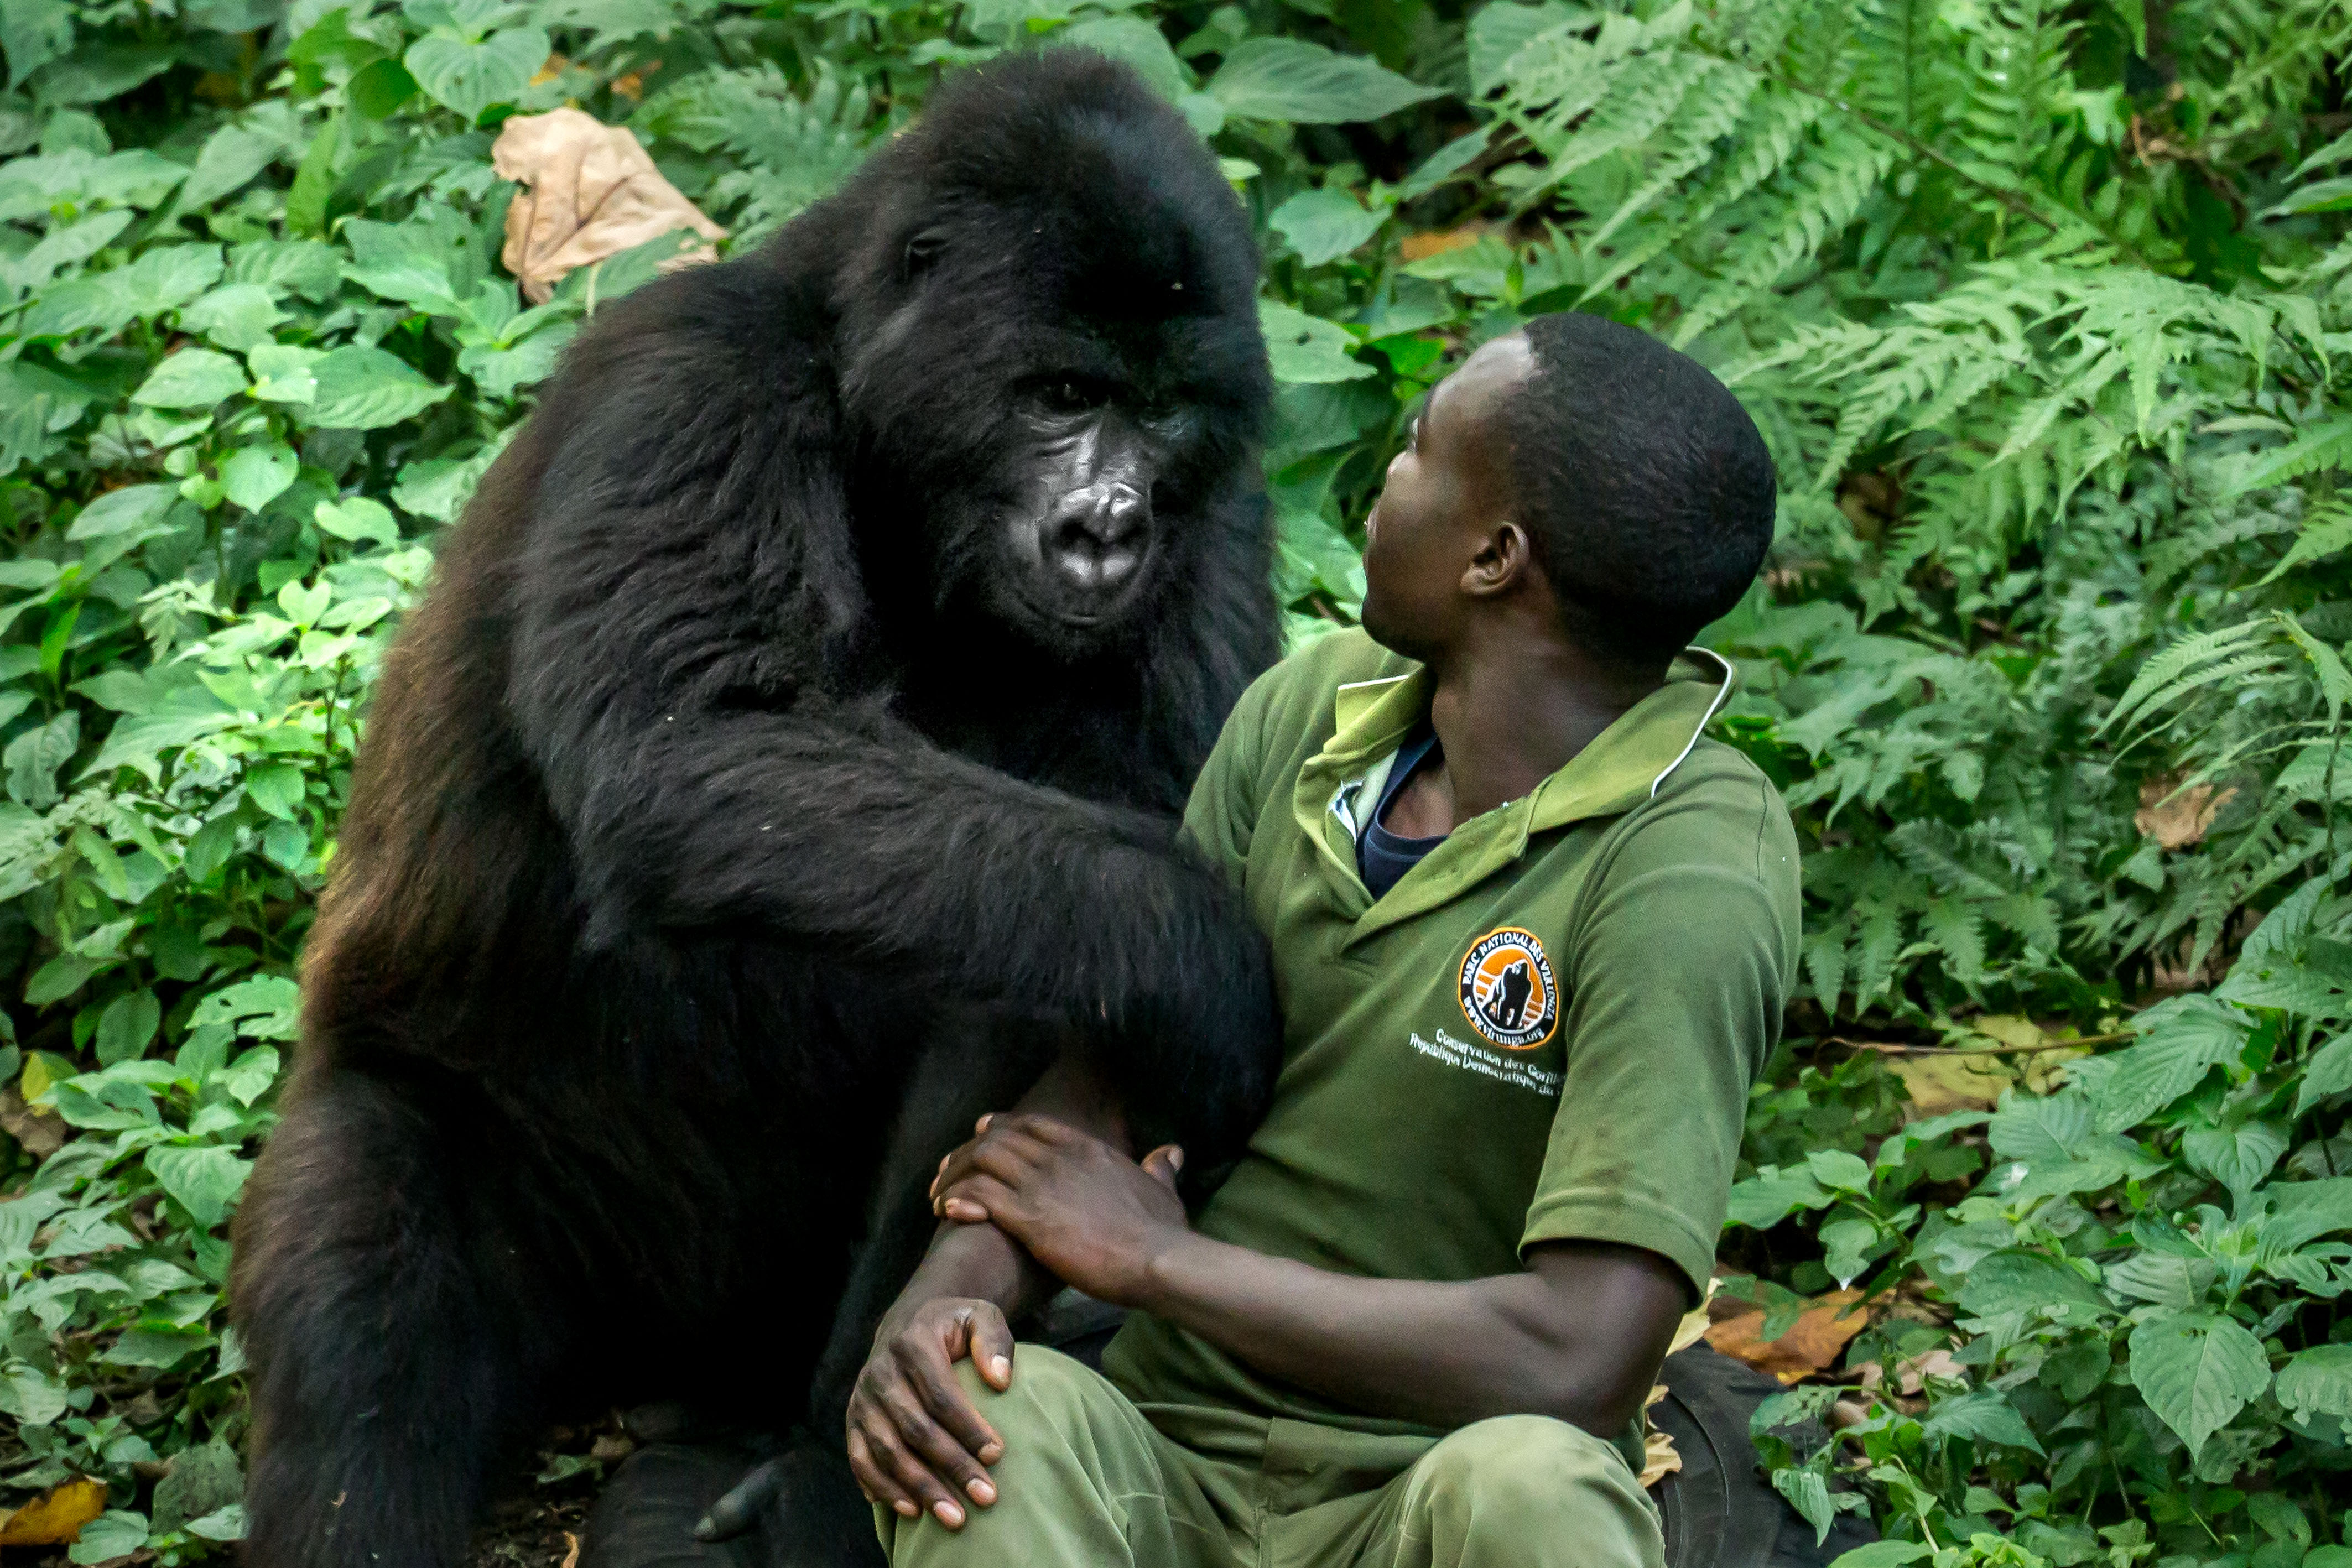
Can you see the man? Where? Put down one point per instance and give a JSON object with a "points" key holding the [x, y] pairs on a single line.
{"points": [[1532, 933]]}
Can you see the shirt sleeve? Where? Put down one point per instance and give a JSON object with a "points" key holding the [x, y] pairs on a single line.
{"points": [[1222, 814], [1683, 955]]}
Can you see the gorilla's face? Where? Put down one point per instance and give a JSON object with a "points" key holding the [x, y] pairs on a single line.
{"points": [[1081, 550], [1054, 385]]}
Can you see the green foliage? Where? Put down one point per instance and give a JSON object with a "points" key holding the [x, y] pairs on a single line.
{"points": [[2041, 309]]}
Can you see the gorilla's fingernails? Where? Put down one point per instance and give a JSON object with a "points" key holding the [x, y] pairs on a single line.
{"points": [[991, 1452], [982, 1493], [950, 1514], [1175, 1159], [982, 1125], [906, 1509]]}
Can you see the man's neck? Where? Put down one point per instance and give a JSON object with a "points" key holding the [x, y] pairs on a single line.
{"points": [[1512, 710]]}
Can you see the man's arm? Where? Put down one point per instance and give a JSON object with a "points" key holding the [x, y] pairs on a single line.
{"points": [[916, 1442], [1577, 1335]]}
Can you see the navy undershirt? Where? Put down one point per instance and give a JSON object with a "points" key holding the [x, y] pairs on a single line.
{"points": [[1382, 857]]}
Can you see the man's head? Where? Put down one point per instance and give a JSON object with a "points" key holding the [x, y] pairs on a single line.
{"points": [[1576, 467]]}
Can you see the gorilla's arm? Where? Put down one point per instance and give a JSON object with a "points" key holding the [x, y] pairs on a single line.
{"points": [[683, 612]]}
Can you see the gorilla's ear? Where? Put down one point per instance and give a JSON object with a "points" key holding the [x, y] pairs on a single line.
{"points": [[921, 252]]}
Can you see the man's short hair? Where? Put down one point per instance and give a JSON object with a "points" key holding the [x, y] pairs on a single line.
{"points": [[1645, 486]]}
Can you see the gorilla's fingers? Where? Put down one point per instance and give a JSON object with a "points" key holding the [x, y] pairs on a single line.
{"points": [[736, 1513]]}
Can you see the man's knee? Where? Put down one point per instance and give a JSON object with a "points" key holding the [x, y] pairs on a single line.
{"points": [[1532, 1473], [1047, 1386]]}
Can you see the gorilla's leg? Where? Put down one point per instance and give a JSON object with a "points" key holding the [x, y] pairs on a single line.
{"points": [[978, 1062], [383, 1390]]}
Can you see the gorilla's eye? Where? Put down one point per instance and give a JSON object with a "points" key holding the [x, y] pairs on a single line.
{"points": [[1067, 396], [921, 251]]}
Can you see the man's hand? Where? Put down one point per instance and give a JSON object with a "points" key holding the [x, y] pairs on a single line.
{"points": [[915, 1440], [1093, 1217]]}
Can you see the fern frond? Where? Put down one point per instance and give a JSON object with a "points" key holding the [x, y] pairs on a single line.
{"points": [[2170, 666]]}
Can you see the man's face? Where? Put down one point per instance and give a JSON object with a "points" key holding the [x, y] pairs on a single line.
{"points": [[1445, 493]]}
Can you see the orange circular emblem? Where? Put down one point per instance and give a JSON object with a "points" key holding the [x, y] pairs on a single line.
{"points": [[1508, 993]]}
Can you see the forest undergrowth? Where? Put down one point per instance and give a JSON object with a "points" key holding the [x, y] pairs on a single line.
{"points": [[2045, 310]]}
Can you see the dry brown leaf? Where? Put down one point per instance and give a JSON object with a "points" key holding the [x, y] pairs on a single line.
{"points": [[1911, 1376], [57, 1516], [41, 1133], [589, 192], [570, 1550], [1437, 242], [1660, 1459], [2177, 819], [1813, 1343], [1941, 1084]]}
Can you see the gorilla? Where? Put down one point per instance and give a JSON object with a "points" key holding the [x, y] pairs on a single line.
{"points": [[778, 773]]}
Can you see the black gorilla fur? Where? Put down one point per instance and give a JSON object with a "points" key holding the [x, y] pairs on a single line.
{"points": [[743, 812]]}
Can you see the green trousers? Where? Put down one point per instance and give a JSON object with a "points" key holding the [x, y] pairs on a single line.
{"points": [[1089, 1479]]}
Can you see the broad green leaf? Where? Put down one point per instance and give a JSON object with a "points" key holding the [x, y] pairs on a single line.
{"points": [[117, 1532], [205, 1180], [98, 71], [32, 34], [1986, 1415], [277, 788], [2239, 1157], [253, 476], [1307, 84], [1769, 1196], [236, 316], [283, 372], [1306, 348], [1838, 1169], [2016, 1281], [129, 1023], [2318, 1381], [468, 77], [357, 518], [2197, 1371], [2180, 1041], [1134, 41], [1324, 225], [2328, 1072], [360, 388], [192, 377]]}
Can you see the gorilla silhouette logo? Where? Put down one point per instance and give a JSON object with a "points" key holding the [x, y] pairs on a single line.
{"points": [[1507, 992]]}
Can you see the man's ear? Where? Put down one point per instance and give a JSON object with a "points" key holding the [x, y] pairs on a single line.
{"points": [[1505, 559]]}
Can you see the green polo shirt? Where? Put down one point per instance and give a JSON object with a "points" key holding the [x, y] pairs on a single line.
{"points": [[1545, 1032]]}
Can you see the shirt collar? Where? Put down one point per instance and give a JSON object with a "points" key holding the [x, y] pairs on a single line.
{"points": [[1625, 765]]}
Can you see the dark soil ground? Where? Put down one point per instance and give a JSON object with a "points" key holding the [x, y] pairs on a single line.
{"points": [[532, 1531]]}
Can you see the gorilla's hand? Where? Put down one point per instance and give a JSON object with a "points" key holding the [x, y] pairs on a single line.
{"points": [[911, 1422]]}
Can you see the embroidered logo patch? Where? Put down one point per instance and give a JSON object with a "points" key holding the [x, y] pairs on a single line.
{"points": [[1506, 989]]}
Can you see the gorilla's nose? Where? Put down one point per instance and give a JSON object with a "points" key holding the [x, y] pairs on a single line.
{"points": [[1096, 537]]}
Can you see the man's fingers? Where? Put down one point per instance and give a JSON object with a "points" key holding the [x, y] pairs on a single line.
{"points": [[877, 1483], [933, 1377], [1163, 1163], [914, 1476], [736, 1513], [981, 1197], [947, 1457], [991, 1353]]}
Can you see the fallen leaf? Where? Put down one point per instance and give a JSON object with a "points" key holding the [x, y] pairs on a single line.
{"points": [[1911, 1376], [1693, 1327], [1959, 1082], [1437, 242], [42, 1135], [589, 192], [2175, 818], [570, 1550], [1659, 1457], [1813, 1343], [555, 66], [55, 1518]]}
